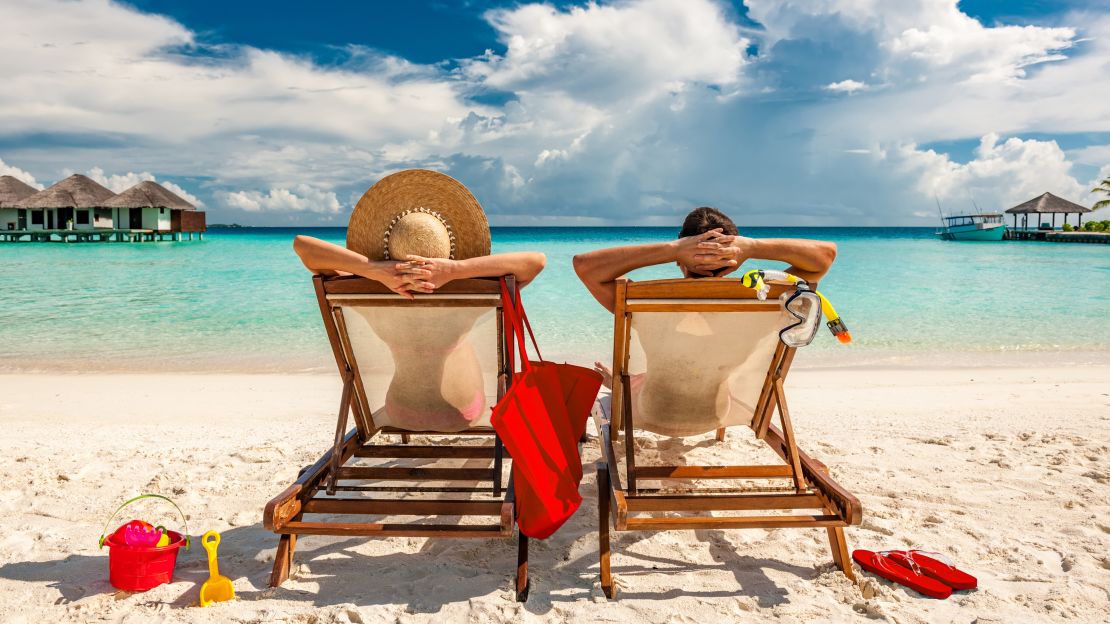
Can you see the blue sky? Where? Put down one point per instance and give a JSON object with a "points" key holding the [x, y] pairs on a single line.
{"points": [[808, 112]]}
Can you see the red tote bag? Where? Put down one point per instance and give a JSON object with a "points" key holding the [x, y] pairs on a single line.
{"points": [[540, 420]]}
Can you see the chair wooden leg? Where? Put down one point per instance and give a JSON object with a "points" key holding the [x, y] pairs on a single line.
{"points": [[839, 547], [283, 560], [522, 584], [721, 434], [603, 531]]}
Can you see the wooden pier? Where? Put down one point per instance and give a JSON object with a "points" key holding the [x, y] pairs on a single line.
{"points": [[1056, 236], [94, 236]]}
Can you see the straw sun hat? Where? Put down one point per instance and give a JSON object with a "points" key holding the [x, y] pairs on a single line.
{"points": [[418, 212]]}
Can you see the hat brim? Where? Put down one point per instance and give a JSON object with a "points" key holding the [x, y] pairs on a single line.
{"points": [[418, 188]]}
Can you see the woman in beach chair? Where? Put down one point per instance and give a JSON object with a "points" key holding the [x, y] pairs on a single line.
{"points": [[414, 251], [693, 356], [412, 309]]}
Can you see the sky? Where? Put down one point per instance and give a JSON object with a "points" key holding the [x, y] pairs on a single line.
{"points": [[618, 112]]}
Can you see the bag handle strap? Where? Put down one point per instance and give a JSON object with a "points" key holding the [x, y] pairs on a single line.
{"points": [[104, 531], [509, 309], [524, 317]]}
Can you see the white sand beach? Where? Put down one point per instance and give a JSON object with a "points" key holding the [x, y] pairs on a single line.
{"points": [[1005, 469]]}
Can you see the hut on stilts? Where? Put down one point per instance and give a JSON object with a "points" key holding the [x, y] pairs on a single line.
{"points": [[12, 192], [78, 209]]}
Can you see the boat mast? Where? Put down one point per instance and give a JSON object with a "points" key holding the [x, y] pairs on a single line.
{"points": [[969, 196]]}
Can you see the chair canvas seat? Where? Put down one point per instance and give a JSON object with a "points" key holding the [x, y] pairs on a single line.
{"points": [[692, 357], [432, 367]]}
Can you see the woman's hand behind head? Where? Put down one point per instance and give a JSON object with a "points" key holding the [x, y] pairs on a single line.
{"points": [[428, 274]]}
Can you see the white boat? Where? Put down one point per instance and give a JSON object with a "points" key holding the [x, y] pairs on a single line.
{"points": [[977, 227]]}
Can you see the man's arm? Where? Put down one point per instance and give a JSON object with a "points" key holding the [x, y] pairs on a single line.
{"points": [[600, 269], [808, 259]]}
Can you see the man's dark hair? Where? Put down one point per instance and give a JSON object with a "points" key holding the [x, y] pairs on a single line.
{"points": [[701, 220]]}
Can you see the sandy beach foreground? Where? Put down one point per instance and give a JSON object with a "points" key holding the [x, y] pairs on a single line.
{"points": [[1007, 470]]}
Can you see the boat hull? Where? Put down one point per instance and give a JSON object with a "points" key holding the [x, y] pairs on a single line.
{"points": [[974, 233]]}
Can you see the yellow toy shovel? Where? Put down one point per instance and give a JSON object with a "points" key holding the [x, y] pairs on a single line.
{"points": [[217, 588]]}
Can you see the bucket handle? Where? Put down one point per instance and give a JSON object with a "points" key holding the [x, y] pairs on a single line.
{"points": [[104, 531]]}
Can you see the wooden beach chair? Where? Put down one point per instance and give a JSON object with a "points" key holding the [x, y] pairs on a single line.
{"points": [[367, 480], [720, 324]]}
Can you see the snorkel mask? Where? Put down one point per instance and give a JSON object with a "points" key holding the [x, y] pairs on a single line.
{"points": [[803, 304]]}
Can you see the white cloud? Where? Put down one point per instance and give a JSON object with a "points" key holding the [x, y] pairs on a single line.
{"points": [[1002, 173], [627, 111], [608, 53], [848, 86], [548, 156], [1097, 155], [924, 38], [302, 198], [16, 172], [111, 52], [183, 194], [118, 183]]}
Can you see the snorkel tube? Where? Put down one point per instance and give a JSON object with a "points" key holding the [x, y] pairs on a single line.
{"points": [[756, 279]]}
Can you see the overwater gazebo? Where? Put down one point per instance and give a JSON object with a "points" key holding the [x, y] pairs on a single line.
{"points": [[1047, 204], [77, 198]]}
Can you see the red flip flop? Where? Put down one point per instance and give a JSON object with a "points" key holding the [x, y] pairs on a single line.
{"points": [[881, 565], [934, 565]]}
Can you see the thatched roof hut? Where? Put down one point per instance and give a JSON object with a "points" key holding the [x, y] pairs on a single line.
{"points": [[13, 191], [148, 194], [1048, 203], [76, 191]]}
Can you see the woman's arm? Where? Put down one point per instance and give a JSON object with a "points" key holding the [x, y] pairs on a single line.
{"points": [[600, 269], [435, 272], [324, 258]]}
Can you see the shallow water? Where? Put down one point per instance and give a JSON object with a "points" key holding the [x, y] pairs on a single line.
{"points": [[240, 300]]}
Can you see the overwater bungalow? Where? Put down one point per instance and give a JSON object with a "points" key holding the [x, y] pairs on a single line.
{"points": [[75, 203], [12, 192], [151, 206], [79, 209]]}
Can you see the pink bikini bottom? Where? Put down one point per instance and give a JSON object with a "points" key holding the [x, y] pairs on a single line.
{"points": [[404, 417]]}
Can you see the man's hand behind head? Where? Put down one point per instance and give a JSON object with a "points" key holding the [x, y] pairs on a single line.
{"points": [[701, 249]]}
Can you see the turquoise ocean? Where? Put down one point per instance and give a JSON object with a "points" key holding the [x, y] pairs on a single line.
{"points": [[241, 301]]}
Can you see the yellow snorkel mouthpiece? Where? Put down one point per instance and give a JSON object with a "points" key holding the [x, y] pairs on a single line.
{"points": [[756, 279]]}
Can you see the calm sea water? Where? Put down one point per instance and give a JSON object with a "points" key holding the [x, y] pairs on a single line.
{"points": [[240, 300]]}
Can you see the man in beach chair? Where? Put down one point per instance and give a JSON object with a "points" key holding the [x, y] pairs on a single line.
{"points": [[693, 356], [412, 309]]}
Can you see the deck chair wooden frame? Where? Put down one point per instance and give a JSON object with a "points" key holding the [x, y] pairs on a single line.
{"points": [[631, 508], [314, 490]]}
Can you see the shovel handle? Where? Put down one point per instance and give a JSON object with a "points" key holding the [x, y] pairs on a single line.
{"points": [[211, 542]]}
